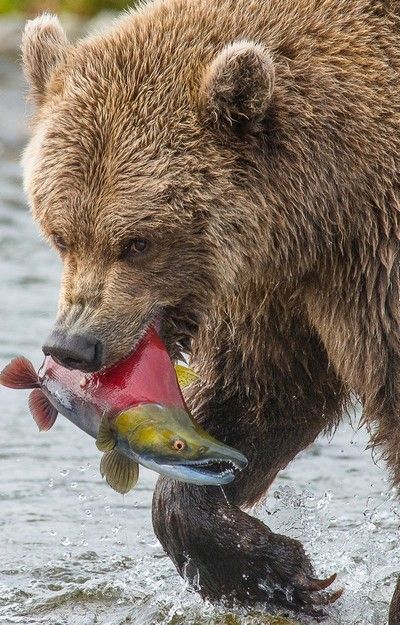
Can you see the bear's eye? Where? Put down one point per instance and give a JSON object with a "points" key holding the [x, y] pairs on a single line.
{"points": [[178, 444], [135, 247], [59, 242]]}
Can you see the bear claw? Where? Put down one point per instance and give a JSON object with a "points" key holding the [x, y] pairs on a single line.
{"points": [[301, 591], [308, 603], [319, 584]]}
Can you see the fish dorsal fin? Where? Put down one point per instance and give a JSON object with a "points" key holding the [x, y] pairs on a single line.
{"points": [[120, 471], [105, 440], [42, 410], [185, 375], [19, 373]]}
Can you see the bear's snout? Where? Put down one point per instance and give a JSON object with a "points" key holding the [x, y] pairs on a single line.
{"points": [[74, 351]]}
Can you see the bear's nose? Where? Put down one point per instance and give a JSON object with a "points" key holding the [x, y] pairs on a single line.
{"points": [[74, 351]]}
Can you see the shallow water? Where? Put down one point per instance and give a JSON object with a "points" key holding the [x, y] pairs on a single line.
{"points": [[74, 552]]}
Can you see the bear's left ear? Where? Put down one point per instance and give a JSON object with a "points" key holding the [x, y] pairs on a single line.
{"points": [[44, 46], [238, 85]]}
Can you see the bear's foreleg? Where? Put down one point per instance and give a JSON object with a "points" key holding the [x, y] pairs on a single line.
{"points": [[224, 552]]}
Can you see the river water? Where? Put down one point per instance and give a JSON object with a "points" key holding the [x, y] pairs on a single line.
{"points": [[74, 552]]}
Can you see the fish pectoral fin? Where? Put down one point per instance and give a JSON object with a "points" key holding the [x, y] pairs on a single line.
{"points": [[121, 472], [105, 440], [185, 375], [42, 410]]}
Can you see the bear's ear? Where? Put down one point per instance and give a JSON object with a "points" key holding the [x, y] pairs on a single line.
{"points": [[44, 46], [238, 84]]}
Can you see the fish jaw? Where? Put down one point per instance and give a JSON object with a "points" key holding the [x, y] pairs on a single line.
{"points": [[201, 472], [218, 465]]}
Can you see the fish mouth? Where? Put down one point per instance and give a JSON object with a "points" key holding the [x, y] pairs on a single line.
{"points": [[203, 472], [211, 472]]}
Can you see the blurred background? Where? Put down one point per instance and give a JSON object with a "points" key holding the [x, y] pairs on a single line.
{"points": [[80, 7], [77, 16], [72, 551]]}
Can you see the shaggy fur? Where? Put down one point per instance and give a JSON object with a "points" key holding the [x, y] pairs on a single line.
{"points": [[256, 146]]}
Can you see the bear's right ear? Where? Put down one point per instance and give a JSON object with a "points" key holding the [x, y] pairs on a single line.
{"points": [[238, 85], [44, 46]]}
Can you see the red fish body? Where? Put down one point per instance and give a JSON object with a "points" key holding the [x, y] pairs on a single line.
{"points": [[146, 376]]}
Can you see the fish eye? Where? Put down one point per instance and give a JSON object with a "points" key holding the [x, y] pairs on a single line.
{"points": [[178, 444]]}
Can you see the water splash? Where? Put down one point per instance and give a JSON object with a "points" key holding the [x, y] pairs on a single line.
{"points": [[365, 554]]}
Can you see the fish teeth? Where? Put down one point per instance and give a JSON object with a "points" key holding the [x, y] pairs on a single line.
{"points": [[207, 463]]}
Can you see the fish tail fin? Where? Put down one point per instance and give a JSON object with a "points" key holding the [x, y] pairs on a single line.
{"points": [[19, 373], [121, 472], [42, 410]]}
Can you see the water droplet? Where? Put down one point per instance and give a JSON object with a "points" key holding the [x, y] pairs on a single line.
{"points": [[81, 497], [74, 485], [64, 472], [65, 541]]}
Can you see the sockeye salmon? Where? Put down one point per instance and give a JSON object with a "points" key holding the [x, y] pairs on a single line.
{"points": [[136, 411]]}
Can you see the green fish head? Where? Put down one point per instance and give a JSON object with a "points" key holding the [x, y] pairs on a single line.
{"points": [[168, 440]]}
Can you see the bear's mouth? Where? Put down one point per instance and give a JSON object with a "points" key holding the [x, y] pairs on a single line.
{"points": [[153, 319], [175, 333]]}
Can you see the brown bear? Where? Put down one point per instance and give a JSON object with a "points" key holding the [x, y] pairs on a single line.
{"points": [[231, 167]]}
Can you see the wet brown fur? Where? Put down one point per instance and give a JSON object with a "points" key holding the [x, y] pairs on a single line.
{"points": [[256, 144]]}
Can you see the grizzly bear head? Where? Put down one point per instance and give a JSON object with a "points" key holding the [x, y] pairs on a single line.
{"points": [[141, 173]]}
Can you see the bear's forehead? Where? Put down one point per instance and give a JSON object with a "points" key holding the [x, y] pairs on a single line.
{"points": [[98, 200], [88, 168], [111, 110], [114, 124], [120, 129], [119, 156], [86, 172]]}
